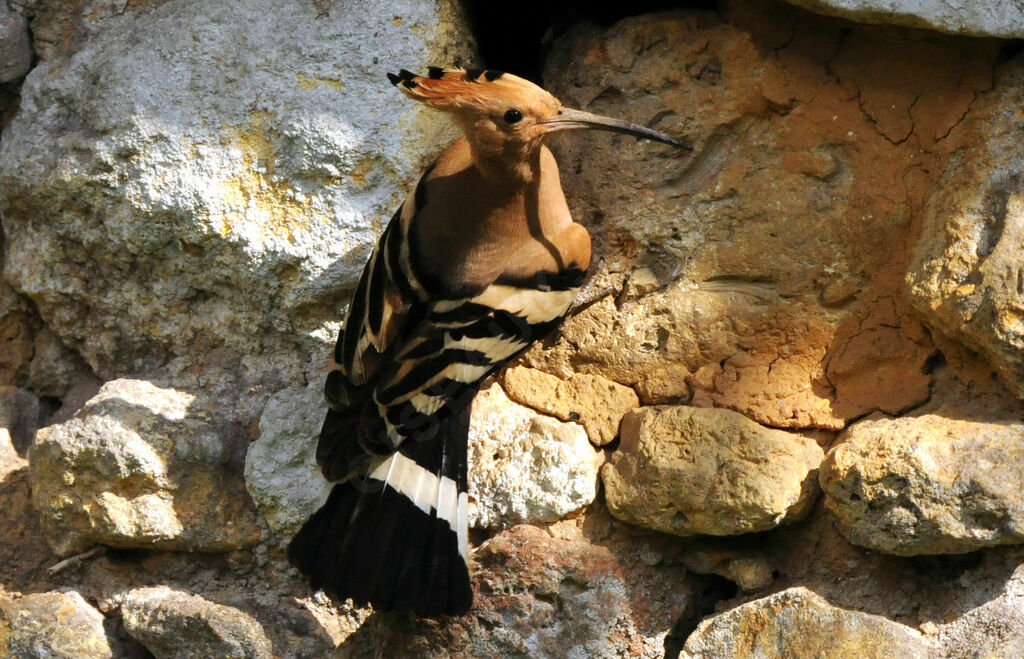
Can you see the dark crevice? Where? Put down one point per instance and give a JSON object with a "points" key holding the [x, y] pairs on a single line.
{"points": [[517, 38], [714, 589]]}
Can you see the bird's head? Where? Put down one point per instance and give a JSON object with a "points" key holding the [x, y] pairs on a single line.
{"points": [[504, 116]]}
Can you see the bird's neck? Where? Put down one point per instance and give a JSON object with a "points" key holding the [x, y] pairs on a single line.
{"points": [[516, 166]]}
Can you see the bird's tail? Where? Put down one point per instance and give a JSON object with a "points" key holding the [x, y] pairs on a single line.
{"points": [[396, 537]]}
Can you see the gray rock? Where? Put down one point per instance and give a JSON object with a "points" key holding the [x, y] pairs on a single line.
{"points": [[281, 473], [967, 276], [806, 625], [999, 18], [189, 184], [692, 471], [178, 625], [936, 483], [15, 45], [58, 625], [141, 466], [990, 600], [20, 414], [525, 467]]}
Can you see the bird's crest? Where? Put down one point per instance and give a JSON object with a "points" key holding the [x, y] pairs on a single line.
{"points": [[480, 89]]}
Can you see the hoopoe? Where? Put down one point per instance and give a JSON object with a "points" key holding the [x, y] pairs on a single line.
{"points": [[482, 260]]}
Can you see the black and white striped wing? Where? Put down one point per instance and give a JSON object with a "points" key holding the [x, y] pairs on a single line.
{"points": [[406, 366]]}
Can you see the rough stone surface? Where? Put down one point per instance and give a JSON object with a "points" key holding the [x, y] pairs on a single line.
{"points": [[15, 45], [189, 182], [691, 471], [55, 370], [763, 273], [281, 473], [596, 403], [525, 467], [1000, 18], [175, 624], [141, 466], [58, 625], [17, 329], [548, 594], [934, 483], [967, 276], [9, 458], [805, 625], [20, 414]]}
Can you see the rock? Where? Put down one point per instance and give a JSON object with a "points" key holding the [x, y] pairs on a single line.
{"points": [[181, 182], [933, 483], [764, 273], [545, 596], [1002, 18], [806, 625], [524, 467], [691, 471], [58, 625], [173, 623], [15, 45], [17, 329], [9, 458], [989, 601], [967, 278], [20, 414], [596, 403], [281, 473], [55, 370], [142, 466]]}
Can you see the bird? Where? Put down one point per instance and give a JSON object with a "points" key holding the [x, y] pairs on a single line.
{"points": [[480, 261]]}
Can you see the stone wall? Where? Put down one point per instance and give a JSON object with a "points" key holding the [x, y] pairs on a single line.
{"points": [[791, 417]]}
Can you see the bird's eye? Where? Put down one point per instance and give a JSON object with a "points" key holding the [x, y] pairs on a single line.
{"points": [[513, 116]]}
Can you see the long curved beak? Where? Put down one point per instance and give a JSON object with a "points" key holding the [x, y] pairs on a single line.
{"points": [[569, 119]]}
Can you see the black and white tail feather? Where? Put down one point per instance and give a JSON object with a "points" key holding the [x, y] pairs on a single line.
{"points": [[412, 353]]}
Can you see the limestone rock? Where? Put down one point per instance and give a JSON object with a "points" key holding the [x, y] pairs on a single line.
{"points": [[141, 466], [806, 625], [1001, 18], [20, 414], [991, 599], [176, 624], [57, 625], [17, 330], [691, 471], [967, 275], [55, 370], [185, 183], [544, 596], [281, 473], [525, 467], [596, 403], [764, 272], [9, 458], [15, 46], [935, 483]]}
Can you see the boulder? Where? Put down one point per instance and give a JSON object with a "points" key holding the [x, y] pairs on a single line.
{"points": [[526, 467], [142, 465], [184, 183], [174, 624], [933, 483], [57, 625], [691, 471], [806, 625]]}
